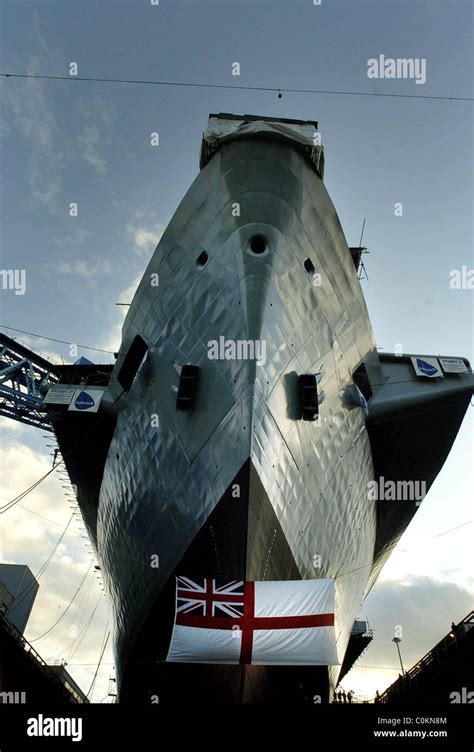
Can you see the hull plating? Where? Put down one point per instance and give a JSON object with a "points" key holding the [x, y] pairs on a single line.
{"points": [[161, 484]]}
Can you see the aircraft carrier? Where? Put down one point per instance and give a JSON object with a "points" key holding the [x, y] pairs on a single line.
{"points": [[248, 411]]}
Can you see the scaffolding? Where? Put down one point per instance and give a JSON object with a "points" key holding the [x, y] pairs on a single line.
{"points": [[25, 377]]}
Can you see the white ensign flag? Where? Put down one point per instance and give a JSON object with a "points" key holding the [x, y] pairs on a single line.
{"points": [[263, 623]]}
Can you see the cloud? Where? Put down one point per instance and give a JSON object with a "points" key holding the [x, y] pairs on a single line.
{"points": [[13, 426], [81, 267], [114, 337], [32, 115], [97, 118], [77, 236], [34, 527], [28, 109], [92, 142], [145, 234], [4, 129], [145, 238]]}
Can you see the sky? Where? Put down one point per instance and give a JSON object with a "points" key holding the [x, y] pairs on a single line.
{"points": [[88, 143]]}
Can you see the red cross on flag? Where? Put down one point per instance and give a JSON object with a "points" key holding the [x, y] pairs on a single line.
{"points": [[263, 623]]}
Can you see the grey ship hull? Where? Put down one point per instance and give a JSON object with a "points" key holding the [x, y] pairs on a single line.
{"points": [[166, 489]]}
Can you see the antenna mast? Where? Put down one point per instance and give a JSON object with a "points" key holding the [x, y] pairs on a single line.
{"points": [[356, 253]]}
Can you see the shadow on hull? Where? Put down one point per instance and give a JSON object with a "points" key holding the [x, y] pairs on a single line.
{"points": [[242, 539]]}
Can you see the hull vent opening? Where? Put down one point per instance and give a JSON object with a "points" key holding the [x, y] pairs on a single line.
{"points": [[361, 380], [134, 359], [187, 387], [202, 260], [309, 397], [258, 244]]}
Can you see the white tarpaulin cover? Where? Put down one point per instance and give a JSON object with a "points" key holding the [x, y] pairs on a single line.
{"points": [[304, 136], [266, 623]]}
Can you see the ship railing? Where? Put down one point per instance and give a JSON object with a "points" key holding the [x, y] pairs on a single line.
{"points": [[433, 662]]}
